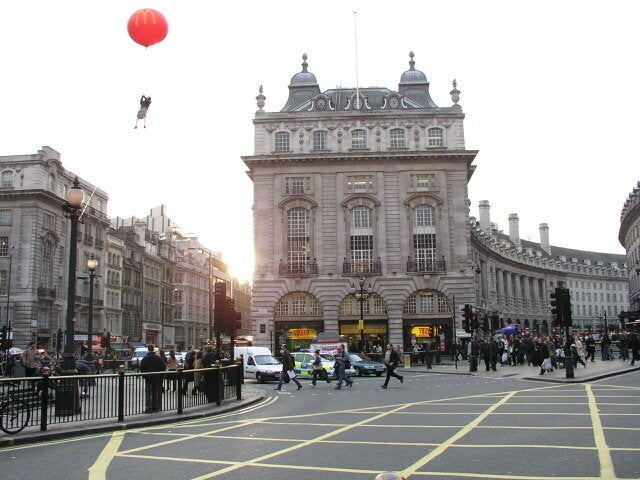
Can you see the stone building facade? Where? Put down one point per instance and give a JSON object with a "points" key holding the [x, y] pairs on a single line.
{"points": [[515, 277], [34, 246], [629, 236], [362, 226], [358, 183]]}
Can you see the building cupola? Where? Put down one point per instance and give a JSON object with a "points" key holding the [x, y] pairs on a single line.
{"points": [[414, 84], [302, 88]]}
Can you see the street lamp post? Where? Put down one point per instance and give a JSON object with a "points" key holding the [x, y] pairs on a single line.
{"points": [[92, 264], [362, 296], [72, 207]]}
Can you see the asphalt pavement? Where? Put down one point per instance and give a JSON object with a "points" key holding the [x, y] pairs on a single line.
{"points": [[252, 393]]}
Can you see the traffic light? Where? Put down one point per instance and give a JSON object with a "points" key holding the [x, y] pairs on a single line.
{"points": [[474, 321], [60, 340], [219, 316], [106, 340], [3, 338], [557, 309], [237, 321], [466, 318], [485, 323], [567, 319]]}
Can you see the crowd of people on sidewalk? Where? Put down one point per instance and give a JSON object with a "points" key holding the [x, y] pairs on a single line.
{"points": [[550, 352]]}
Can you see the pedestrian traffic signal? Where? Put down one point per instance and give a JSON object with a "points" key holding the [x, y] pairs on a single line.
{"points": [[556, 306], [106, 340], [3, 338]]}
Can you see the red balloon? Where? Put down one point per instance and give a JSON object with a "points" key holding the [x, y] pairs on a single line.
{"points": [[147, 27]]}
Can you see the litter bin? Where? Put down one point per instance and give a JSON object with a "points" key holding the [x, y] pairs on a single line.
{"points": [[67, 397], [407, 360]]}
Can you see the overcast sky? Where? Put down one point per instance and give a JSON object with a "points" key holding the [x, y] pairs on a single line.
{"points": [[549, 89]]}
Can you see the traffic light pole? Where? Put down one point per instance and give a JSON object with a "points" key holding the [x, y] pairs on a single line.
{"points": [[568, 356]]}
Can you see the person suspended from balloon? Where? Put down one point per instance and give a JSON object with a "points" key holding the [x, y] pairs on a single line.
{"points": [[145, 102], [146, 27]]}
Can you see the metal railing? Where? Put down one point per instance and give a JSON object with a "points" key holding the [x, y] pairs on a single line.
{"points": [[55, 399], [362, 267], [426, 266], [298, 269]]}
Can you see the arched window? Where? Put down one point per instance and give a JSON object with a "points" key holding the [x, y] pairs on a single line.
{"points": [[298, 304], [436, 138], [426, 302], [282, 141], [319, 140], [358, 139], [396, 137]]}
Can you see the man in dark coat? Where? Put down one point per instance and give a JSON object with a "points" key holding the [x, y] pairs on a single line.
{"points": [[153, 383]]}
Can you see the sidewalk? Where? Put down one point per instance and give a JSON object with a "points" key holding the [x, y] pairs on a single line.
{"points": [[250, 394], [593, 371]]}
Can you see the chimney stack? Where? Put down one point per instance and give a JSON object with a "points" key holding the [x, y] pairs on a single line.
{"points": [[485, 216], [514, 230], [544, 238]]}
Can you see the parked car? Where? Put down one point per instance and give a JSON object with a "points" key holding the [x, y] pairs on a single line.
{"points": [[363, 365]]}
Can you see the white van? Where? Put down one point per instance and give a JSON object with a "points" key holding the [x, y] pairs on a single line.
{"points": [[258, 363], [138, 354]]}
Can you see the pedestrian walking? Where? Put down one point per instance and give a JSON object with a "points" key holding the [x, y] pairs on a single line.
{"points": [[341, 364], [152, 363], [189, 359], [288, 365], [197, 376], [590, 348], [318, 370], [172, 366], [577, 352], [634, 345], [391, 360], [605, 345], [31, 360]]}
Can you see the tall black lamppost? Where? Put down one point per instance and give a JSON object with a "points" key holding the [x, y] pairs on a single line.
{"points": [[92, 264], [72, 208], [362, 296]]}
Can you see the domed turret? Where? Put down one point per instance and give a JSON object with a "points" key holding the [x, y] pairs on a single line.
{"points": [[302, 88], [414, 84], [304, 77]]}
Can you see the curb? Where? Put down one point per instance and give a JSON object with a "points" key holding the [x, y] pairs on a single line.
{"points": [[70, 431], [591, 378]]}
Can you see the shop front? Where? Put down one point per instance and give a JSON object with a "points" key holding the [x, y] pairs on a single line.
{"points": [[296, 335], [428, 335], [363, 335], [151, 333]]}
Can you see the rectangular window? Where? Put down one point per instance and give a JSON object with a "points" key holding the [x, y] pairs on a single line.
{"points": [[282, 141], [3, 282], [360, 183], [361, 217], [50, 222], [423, 216], [361, 253], [319, 140], [358, 139], [4, 246], [396, 138], [424, 181], [424, 250], [298, 242], [296, 185], [5, 216], [436, 138], [7, 179]]}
